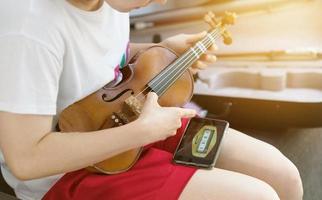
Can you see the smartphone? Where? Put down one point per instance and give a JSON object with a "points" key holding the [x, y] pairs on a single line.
{"points": [[200, 144]]}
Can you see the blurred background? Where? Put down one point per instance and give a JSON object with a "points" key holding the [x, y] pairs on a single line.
{"points": [[268, 83]]}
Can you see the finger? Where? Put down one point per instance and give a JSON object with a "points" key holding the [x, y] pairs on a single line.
{"points": [[208, 58], [196, 37], [152, 98], [185, 112], [199, 65], [179, 123], [173, 133], [213, 47], [193, 70]]}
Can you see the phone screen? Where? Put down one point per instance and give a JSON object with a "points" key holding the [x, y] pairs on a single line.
{"points": [[199, 145]]}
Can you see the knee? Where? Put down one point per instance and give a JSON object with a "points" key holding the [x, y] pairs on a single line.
{"points": [[264, 191], [293, 183], [261, 190], [288, 176]]}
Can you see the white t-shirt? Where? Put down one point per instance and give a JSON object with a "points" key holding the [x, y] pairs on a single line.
{"points": [[51, 55]]}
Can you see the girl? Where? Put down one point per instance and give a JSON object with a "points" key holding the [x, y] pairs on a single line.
{"points": [[54, 53]]}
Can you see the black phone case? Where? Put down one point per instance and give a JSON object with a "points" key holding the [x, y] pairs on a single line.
{"points": [[183, 154]]}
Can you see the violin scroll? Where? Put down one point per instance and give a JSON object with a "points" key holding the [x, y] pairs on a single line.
{"points": [[229, 18], [220, 24]]}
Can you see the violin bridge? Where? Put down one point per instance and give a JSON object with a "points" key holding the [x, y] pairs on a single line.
{"points": [[130, 111], [134, 104]]}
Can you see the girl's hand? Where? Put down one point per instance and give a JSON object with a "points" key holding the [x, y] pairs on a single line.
{"points": [[161, 122], [182, 42]]}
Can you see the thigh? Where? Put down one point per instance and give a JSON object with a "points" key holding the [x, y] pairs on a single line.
{"points": [[219, 184], [247, 155]]}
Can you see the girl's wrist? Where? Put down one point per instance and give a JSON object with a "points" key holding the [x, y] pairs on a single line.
{"points": [[143, 130]]}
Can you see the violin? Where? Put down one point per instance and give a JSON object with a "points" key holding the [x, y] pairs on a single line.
{"points": [[156, 69]]}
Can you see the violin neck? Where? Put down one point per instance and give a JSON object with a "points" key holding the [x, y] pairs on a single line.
{"points": [[170, 74]]}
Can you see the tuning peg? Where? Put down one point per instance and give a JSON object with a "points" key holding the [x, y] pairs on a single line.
{"points": [[210, 19], [211, 15], [227, 37], [229, 18]]}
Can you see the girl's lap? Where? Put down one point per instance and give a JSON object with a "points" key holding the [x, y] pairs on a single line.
{"points": [[246, 168]]}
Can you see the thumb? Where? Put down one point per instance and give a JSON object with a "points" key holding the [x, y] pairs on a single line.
{"points": [[151, 99], [193, 38]]}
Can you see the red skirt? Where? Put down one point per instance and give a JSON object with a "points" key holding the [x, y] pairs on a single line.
{"points": [[153, 177]]}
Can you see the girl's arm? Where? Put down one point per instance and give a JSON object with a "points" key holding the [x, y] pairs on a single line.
{"points": [[32, 151]]}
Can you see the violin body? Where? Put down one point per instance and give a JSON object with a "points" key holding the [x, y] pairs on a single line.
{"points": [[97, 111]]}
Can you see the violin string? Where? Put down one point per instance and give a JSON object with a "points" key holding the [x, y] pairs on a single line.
{"points": [[165, 71], [208, 41], [205, 39], [215, 31], [180, 61], [180, 72]]}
